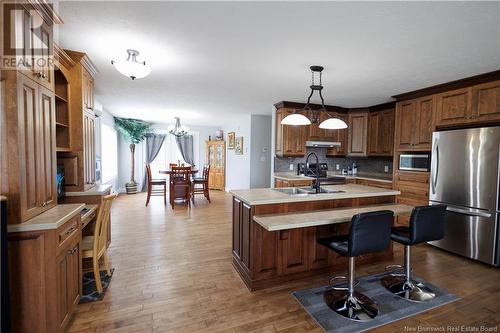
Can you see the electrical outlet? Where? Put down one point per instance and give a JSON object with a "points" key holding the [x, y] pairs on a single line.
{"points": [[386, 168], [291, 167], [337, 167]]}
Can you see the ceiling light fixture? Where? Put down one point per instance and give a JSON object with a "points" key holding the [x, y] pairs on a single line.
{"points": [[131, 67], [298, 118], [178, 130]]}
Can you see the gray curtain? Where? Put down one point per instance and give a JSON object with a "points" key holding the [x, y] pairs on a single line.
{"points": [[153, 146], [185, 144]]}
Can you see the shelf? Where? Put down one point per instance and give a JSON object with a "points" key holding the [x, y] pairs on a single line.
{"points": [[63, 149], [62, 125], [61, 99]]}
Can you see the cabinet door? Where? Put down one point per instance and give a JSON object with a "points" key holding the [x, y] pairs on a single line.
{"points": [[358, 131], [319, 255], [328, 134], [42, 51], [486, 102], [424, 125], [62, 268], [292, 251], [342, 136], [89, 149], [373, 133], [237, 227], [405, 125], [31, 148], [73, 276], [316, 133], [386, 133], [454, 107], [279, 133], [47, 159]]}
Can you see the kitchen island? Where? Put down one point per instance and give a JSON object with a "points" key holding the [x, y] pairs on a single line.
{"points": [[275, 231]]}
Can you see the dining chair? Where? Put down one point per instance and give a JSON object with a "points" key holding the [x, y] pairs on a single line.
{"points": [[156, 187], [180, 185], [199, 185], [95, 246]]}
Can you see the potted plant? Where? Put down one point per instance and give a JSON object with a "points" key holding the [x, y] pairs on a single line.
{"points": [[135, 131]]}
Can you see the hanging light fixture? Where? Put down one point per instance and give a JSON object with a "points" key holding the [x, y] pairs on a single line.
{"points": [[177, 129], [297, 118], [131, 67]]}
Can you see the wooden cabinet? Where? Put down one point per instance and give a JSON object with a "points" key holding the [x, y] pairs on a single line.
{"points": [[381, 133], [216, 157], [292, 251], [375, 183], [358, 132], [454, 107], [486, 102], [45, 275], [414, 187], [414, 124], [78, 160], [339, 135], [290, 140], [280, 182]]}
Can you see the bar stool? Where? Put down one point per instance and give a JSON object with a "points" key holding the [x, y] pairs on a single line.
{"points": [[426, 224], [369, 232]]}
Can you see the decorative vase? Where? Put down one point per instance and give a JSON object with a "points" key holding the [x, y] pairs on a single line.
{"points": [[131, 188]]}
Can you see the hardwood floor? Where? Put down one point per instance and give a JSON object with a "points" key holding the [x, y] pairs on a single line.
{"points": [[173, 273]]}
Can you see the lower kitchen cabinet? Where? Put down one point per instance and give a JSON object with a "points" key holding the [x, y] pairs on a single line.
{"points": [[46, 277]]}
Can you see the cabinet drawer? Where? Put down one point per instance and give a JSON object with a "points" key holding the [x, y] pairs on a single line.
{"points": [[418, 194], [67, 232], [418, 179]]}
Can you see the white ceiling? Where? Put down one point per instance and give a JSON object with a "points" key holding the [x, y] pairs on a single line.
{"points": [[211, 61]]}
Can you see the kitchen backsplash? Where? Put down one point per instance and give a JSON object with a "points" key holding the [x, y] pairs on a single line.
{"points": [[365, 164]]}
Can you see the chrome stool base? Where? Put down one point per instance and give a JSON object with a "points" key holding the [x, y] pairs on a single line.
{"points": [[412, 290], [358, 307]]}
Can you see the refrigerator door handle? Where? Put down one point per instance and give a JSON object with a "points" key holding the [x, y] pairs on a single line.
{"points": [[468, 212], [436, 171]]}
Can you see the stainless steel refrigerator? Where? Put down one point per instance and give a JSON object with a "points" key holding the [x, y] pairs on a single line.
{"points": [[465, 175]]}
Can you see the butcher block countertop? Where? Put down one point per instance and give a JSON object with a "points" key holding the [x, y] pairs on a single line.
{"points": [[264, 196], [51, 219], [311, 219]]}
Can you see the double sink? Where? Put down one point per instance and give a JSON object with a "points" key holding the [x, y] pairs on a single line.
{"points": [[305, 191]]}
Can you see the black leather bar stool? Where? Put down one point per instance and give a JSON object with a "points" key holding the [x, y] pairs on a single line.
{"points": [[369, 232], [426, 224]]}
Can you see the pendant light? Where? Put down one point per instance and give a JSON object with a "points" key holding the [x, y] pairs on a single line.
{"points": [[177, 129], [297, 118], [131, 67]]}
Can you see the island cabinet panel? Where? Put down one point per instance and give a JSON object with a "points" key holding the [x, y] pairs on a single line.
{"points": [[319, 255], [264, 253], [246, 221], [237, 227], [292, 251]]}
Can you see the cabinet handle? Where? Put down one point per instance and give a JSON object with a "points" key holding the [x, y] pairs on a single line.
{"points": [[73, 250]]}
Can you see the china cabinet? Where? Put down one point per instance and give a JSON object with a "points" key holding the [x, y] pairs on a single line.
{"points": [[216, 157]]}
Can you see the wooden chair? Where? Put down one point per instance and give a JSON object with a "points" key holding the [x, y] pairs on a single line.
{"points": [[180, 185], [95, 246], [172, 165], [203, 181], [158, 191]]}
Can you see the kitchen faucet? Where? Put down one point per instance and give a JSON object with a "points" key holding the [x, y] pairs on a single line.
{"points": [[316, 185]]}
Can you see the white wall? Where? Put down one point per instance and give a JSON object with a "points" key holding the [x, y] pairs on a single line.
{"points": [[260, 154], [238, 166]]}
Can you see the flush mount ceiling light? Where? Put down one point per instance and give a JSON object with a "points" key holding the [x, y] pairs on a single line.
{"points": [[131, 67], [298, 118], [178, 130]]}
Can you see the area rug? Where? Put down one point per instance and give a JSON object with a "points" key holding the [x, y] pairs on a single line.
{"points": [[89, 293], [391, 307]]}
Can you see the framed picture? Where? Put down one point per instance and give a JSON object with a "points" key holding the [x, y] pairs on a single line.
{"points": [[238, 148], [230, 140]]}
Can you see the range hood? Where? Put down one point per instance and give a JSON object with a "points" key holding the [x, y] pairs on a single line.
{"points": [[322, 144]]}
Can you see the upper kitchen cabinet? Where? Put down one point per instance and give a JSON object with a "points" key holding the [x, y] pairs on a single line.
{"points": [[381, 133], [414, 124], [78, 162], [290, 140], [358, 133], [486, 102], [454, 107], [339, 135]]}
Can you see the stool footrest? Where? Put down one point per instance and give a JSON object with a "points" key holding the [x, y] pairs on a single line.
{"points": [[338, 279]]}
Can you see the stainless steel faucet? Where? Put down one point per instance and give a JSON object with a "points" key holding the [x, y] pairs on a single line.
{"points": [[316, 184]]}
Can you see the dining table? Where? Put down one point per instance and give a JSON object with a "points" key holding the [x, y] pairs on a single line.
{"points": [[181, 193], [170, 171]]}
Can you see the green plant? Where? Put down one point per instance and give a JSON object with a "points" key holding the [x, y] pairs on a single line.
{"points": [[135, 131]]}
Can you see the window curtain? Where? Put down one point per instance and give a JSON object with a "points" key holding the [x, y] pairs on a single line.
{"points": [[153, 146], [185, 144]]}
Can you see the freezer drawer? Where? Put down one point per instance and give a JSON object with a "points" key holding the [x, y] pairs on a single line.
{"points": [[471, 234]]}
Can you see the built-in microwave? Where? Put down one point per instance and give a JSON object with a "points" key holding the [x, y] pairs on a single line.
{"points": [[414, 162]]}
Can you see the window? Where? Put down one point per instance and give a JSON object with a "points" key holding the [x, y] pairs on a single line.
{"points": [[169, 153], [109, 154]]}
